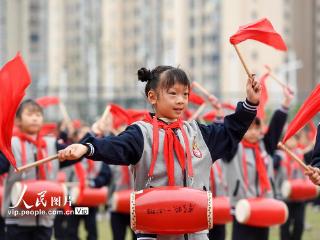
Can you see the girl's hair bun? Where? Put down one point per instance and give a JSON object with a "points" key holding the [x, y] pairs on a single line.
{"points": [[144, 75]]}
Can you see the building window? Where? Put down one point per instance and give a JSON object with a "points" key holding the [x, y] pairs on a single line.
{"points": [[192, 41], [34, 38]]}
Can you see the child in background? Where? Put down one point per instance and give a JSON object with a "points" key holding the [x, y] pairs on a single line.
{"points": [[196, 146], [249, 168], [27, 147]]}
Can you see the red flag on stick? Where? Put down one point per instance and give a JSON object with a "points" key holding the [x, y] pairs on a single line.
{"points": [[210, 116], [264, 97], [262, 31], [196, 99], [47, 101], [229, 106], [120, 116], [14, 79], [309, 108], [136, 114]]}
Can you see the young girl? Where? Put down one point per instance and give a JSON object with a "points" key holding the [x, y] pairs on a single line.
{"points": [[149, 145]]}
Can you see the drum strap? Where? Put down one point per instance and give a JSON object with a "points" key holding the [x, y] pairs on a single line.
{"points": [[171, 144]]}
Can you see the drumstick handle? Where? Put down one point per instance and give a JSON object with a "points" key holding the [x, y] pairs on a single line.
{"points": [[292, 155], [37, 163]]}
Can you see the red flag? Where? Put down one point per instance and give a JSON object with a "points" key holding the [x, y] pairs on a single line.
{"points": [[210, 116], [49, 129], [47, 101], [14, 79], [196, 99], [262, 31], [264, 97], [309, 108], [136, 115], [120, 116], [228, 106]]}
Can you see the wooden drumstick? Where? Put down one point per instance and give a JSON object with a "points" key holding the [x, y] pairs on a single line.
{"points": [[37, 163]]}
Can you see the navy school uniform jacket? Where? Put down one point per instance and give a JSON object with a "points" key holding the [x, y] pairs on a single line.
{"points": [[315, 162]]}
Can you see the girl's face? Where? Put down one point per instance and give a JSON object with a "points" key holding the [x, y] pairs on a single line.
{"points": [[31, 121], [170, 103], [253, 134]]}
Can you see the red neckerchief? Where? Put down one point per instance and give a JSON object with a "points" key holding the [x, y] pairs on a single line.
{"points": [[41, 146], [171, 142], [260, 165], [90, 168]]}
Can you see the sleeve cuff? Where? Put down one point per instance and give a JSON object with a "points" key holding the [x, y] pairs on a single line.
{"points": [[90, 151], [250, 106], [284, 109]]}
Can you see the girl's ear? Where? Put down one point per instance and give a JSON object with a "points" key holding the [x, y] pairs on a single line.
{"points": [[152, 97]]}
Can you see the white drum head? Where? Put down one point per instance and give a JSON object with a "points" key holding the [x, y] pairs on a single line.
{"points": [[242, 211], [286, 189]]}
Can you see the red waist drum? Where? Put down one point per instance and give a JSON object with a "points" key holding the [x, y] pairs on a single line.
{"points": [[299, 190], [261, 212], [90, 197], [38, 195], [221, 210], [171, 210], [121, 201]]}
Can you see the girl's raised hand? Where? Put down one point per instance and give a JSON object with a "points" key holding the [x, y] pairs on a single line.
{"points": [[253, 90], [72, 152]]}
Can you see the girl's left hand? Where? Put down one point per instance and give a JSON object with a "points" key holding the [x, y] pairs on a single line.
{"points": [[253, 90]]}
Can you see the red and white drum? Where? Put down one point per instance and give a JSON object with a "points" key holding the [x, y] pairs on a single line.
{"points": [[221, 210], [171, 210], [121, 201], [299, 190], [91, 197], [38, 195], [261, 212]]}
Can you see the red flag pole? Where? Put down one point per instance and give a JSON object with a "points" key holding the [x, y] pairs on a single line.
{"points": [[292, 155], [37, 163], [242, 61]]}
